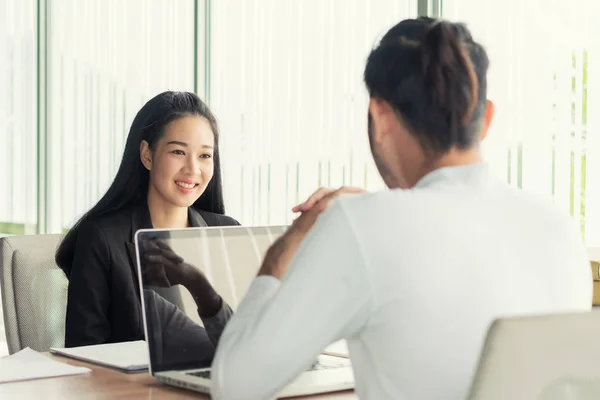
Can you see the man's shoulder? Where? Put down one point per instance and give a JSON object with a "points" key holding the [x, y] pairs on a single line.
{"points": [[539, 208], [396, 201]]}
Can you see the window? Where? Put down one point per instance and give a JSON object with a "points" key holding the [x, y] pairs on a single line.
{"points": [[18, 117], [107, 58], [286, 84], [545, 81], [18, 120]]}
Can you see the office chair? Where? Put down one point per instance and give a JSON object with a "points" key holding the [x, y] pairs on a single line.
{"points": [[34, 292], [544, 357]]}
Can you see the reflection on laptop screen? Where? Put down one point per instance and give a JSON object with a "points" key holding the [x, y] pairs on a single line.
{"points": [[229, 257]]}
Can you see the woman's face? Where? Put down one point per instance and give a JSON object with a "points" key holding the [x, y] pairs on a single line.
{"points": [[181, 166]]}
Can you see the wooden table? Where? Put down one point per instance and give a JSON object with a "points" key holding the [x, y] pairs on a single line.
{"points": [[105, 383]]}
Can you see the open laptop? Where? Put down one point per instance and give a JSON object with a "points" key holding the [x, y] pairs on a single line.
{"points": [[230, 258], [544, 357]]}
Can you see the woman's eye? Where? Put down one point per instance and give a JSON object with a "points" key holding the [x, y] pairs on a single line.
{"points": [[179, 152], [206, 155]]}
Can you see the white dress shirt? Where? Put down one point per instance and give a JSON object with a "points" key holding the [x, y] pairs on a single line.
{"points": [[411, 279]]}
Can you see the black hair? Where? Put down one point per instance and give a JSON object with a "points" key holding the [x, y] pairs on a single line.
{"points": [[433, 74], [130, 186]]}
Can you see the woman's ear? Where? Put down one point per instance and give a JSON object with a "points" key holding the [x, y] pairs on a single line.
{"points": [[146, 155]]}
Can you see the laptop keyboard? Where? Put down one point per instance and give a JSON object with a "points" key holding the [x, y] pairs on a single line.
{"points": [[316, 366], [200, 374], [326, 364]]}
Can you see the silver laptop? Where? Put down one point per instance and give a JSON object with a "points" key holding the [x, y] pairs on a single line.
{"points": [[230, 258], [544, 357]]}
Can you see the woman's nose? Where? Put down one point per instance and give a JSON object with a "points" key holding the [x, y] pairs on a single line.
{"points": [[194, 165]]}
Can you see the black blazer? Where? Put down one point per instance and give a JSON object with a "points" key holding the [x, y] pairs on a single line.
{"points": [[104, 304]]}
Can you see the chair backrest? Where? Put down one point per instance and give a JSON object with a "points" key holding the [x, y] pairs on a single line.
{"points": [[539, 358], [34, 292]]}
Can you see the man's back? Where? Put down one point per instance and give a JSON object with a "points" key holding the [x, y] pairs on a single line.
{"points": [[412, 279], [443, 260]]}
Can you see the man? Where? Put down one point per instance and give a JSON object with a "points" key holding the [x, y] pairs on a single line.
{"points": [[411, 277]]}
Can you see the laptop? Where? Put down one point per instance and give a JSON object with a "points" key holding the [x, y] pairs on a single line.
{"points": [[230, 258], [543, 357]]}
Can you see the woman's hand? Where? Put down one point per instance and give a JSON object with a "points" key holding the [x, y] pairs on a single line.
{"points": [[164, 268]]}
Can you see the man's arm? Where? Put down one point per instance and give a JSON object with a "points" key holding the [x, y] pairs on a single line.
{"points": [[280, 328]]}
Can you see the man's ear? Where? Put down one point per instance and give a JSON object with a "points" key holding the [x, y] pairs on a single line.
{"points": [[146, 155], [488, 116], [380, 112]]}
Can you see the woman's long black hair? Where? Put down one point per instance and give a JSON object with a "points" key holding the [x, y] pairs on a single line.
{"points": [[130, 186]]}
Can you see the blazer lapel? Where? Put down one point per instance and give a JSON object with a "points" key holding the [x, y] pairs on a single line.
{"points": [[132, 258], [195, 219]]}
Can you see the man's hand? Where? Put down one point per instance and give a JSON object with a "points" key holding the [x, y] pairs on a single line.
{"points": [[318, 202], [324, 197], [283, 250]]}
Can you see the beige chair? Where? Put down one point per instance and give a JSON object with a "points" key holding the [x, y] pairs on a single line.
{"points": [[546, 358], [34, 292]]}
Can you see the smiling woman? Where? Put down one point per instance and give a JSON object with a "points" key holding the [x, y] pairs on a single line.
{"points": [[181, 166], [169, 177]]}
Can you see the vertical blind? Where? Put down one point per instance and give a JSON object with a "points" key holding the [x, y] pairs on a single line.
{"points": [[18, 115], [286, 85], [107, 58], [545, 81], [18, 139]]}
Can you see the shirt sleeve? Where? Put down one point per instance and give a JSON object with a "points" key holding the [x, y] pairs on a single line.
{"points": [[280, 328]]}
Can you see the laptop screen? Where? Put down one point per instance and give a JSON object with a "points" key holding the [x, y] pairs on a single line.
{"points": [[229, 257]]}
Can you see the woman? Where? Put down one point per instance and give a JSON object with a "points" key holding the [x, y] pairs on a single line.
{"points": [[169, 177]]}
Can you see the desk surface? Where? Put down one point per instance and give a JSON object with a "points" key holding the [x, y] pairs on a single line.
{"points": [[104, 383]]}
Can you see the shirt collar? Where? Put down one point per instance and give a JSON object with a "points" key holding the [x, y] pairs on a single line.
{"points": [[462, 173]]}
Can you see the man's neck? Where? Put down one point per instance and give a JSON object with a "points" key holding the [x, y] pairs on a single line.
{"points": [[166, 216], [454, 158], [457, 158]]}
